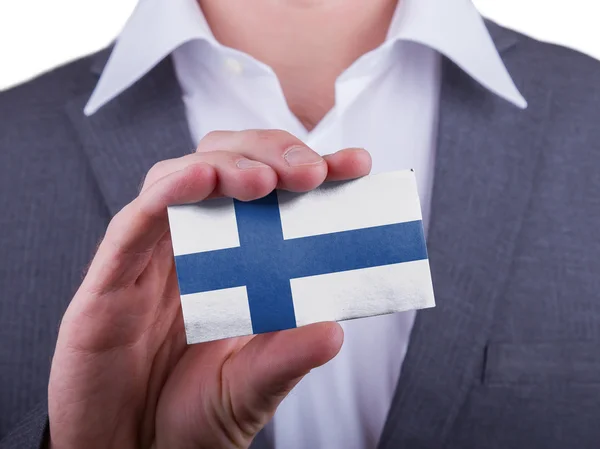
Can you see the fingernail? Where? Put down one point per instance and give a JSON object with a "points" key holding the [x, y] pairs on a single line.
{"points": [[301, 156], [245, 164]]}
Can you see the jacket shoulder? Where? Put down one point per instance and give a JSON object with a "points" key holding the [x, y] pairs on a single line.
{"points": [[562, 88], [45, 96], [34, 127], [570, 76]]}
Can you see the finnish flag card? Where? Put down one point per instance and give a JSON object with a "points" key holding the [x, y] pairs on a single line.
{"points": [[345, 250]]}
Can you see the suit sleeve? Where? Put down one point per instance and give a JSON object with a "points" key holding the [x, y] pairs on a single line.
{"points": [[31, 432]]}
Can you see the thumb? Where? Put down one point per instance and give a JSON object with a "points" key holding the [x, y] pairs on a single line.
{"points": [[222, 393], [270, 365]]}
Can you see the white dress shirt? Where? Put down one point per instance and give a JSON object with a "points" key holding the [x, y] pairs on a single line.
{"points": [[386, 102]]}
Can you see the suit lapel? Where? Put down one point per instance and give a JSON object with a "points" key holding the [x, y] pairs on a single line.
{"points": [[486, 160], [143, 125]]}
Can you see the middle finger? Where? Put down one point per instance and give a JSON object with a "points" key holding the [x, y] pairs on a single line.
{"points": [[298, 167]]}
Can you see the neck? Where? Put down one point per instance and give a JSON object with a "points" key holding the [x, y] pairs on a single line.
{"points": [[308, 43]]}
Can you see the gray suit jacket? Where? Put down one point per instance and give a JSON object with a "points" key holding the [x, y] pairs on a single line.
{"points": [[509, 358]]}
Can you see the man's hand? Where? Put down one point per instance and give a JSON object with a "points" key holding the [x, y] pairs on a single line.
{"points": [[122, 375]]}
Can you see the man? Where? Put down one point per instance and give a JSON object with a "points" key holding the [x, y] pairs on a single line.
{"points": [[507, 359]]}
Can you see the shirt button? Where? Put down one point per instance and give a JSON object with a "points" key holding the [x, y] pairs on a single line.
{"points": [[234, 66]]}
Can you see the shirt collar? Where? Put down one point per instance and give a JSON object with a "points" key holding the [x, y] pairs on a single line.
{"points": [[452, 27]]}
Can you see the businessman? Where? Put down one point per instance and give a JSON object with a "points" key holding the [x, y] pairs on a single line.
{"points": [[502, 132]]}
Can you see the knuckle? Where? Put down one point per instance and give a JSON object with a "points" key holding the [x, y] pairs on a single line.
{"points": [[119, 218], [215, 134], [274, 138], [157, 171], [221, 158], [228, 156], [114, 234], [113, 230], [210, 140]]}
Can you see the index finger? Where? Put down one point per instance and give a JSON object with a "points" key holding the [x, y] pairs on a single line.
{"points": [[134, 232]]}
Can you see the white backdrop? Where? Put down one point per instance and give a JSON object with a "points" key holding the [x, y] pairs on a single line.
{"points": [[36, 35]]}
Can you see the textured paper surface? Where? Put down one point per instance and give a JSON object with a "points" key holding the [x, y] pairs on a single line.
{"points": [[343, 251], [359, 293], [375, 200]]}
